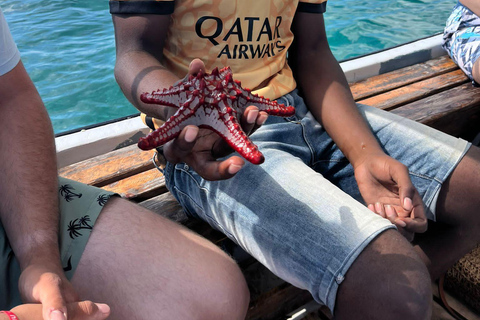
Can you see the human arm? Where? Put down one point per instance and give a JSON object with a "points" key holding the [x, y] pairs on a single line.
{"points": [[473, 5], [381, 179], [84, 310], [139, 68], [29, 199]]}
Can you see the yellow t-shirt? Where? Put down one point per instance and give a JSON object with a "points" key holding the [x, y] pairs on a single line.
{"points": [[252, 37]]}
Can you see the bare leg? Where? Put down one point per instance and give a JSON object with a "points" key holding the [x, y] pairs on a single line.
{"points": [[387, 281], [147, 267], [458, 215], [476, 71]]}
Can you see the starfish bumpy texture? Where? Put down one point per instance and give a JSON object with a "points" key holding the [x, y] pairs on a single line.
{"points": [[210, 101]]}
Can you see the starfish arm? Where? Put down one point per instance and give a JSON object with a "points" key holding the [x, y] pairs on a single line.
{"points": [[270, 107], [241, 143], [244, 97], [184, 116], [227, 126], [172, 97]]}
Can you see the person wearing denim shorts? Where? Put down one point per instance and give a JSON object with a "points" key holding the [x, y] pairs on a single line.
{"points": [[343, 188], [461, 38]]}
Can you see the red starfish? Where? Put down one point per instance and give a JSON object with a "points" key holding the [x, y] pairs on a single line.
{"points": [[210, 101]]}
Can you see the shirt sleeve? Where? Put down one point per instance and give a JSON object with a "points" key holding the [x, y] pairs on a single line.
{"points": [[312, 6], [141, 6], [9, 54]]}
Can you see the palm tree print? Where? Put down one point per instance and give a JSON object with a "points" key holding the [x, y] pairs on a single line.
{"points": [[102, 199], [77, 224], [66, 191], [84, 221], [69, 265]]}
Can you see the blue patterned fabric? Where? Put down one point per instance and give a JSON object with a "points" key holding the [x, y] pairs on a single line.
{"points": [[461, 38]]}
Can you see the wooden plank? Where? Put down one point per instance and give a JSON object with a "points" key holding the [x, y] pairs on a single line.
{"points": [[378, 84], [141, 186], [397, 97], [167, 206], [322, 313], [107, 168], [450, 111], [277, 304]]}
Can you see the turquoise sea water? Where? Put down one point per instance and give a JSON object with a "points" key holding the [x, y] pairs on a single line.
{"points": [[68, 47]]}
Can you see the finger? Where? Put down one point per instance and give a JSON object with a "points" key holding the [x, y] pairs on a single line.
{"points": [[261, 119], [380, 209], [218, 170], [180, 148], [371, 207], [54, 315], [88, 310], [406, 189], [417, 220], [51, 297], [417, 225], [195, 66], [249, 119], [390, 213]]}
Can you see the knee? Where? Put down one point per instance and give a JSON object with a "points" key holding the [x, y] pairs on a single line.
{"points": [[231, 298], [226, 295], [406, 296], [386, 282]]}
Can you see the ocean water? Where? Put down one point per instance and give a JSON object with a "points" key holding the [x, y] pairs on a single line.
{"points": [[68, 47]]}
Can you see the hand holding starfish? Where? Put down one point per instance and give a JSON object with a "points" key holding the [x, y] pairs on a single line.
{"points": [[212, 101], [200, 148]]}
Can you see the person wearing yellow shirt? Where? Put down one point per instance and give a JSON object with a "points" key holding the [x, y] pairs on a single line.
{"points": [[340, 205]]}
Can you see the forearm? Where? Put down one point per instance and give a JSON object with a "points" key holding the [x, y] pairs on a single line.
{"points": [[473, 5], [28, 172], [137, 72], [329, 98], [139, 54]]}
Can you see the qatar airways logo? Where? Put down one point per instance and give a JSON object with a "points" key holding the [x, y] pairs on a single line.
{"points": [[247, 31]]}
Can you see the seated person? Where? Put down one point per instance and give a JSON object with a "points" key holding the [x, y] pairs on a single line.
{"points": [[461, 38], [344, 188], [63, 243]]}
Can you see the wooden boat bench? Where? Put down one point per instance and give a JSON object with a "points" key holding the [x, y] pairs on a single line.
{"points": [[435, 93]]}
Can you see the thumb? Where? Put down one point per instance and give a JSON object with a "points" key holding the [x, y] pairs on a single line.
{"points": [[178, 149], [88, 310], [51, 297], [196, 66], [405, 187]]}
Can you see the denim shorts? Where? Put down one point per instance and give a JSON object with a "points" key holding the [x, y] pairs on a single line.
{"points": [[80, 206], [300, 213], [461, 38]]}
